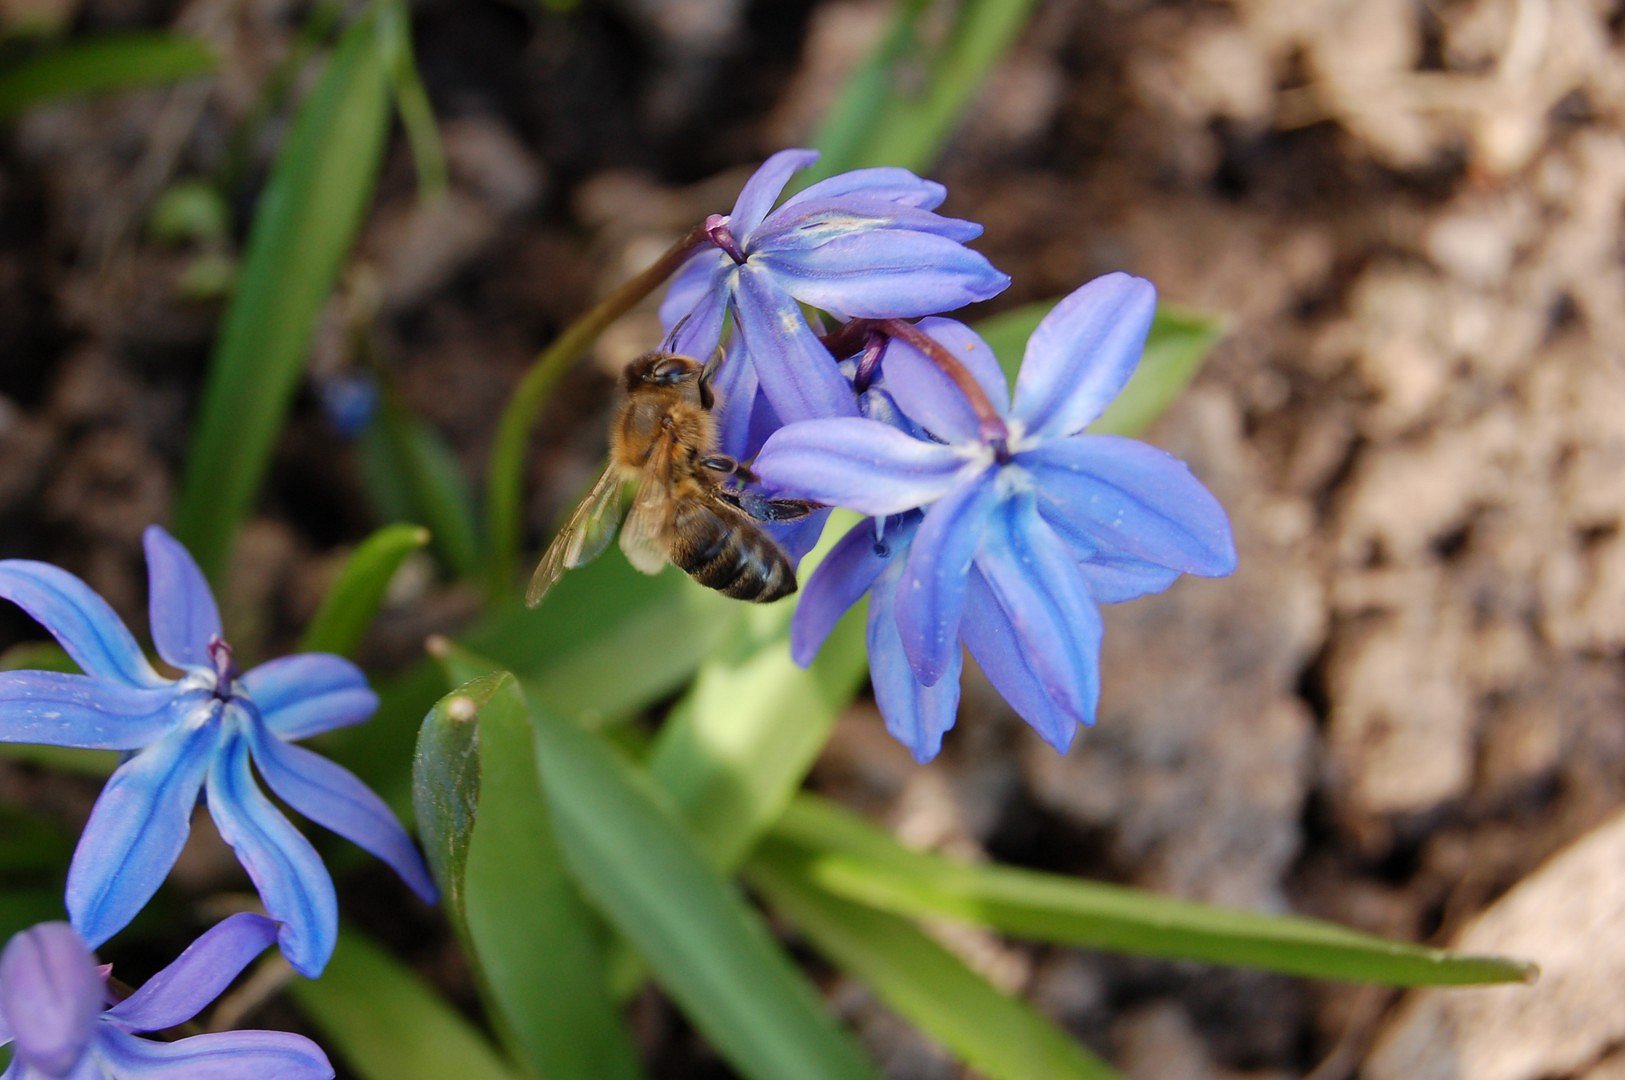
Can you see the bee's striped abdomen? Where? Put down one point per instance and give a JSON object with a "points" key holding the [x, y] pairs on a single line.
{"points": [[734, 557]]}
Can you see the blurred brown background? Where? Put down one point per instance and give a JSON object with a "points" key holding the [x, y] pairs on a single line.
{"points": [[1410, 696]]}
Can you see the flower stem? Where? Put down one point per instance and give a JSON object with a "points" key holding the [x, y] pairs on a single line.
{"points": [[506, 474], [994, 429]]}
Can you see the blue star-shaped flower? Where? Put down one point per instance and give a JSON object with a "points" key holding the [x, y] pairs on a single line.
{"points": [[860, 244], [204, 731], [1027, 524], [54, 1005]]}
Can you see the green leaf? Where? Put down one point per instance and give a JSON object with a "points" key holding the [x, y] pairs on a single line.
{"points": [[901, 106], [353, 601], [998, 1035], [609, 641], [412, 474], [849, 857], [710, 951], [302, 232], [536, 946], [417, 119], [102, 65], [387, 1024], [741, 741], [1178, 343]]}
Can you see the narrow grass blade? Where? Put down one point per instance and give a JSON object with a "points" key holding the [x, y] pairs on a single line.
{"points": [[902, 105], [653, 881], [307, 219], [353, 601], [385, 1023], [851, 858], [417, 120], [102, 65], [412, 474], [535, 945], [1178, 343], [998, 1035]]}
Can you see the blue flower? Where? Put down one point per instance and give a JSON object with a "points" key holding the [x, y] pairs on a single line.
{"points": [[863, 244], [1027, 524], [55, 1006], [205, 731]]}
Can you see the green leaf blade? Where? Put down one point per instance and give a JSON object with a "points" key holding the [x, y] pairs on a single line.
{"points": [[387, 1024], [994, 1033], [306, 222], [536, 946], [102, 65], [652, 880], [855, 860], [353, 602]]}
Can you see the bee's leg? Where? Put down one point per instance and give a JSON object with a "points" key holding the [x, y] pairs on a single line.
{"points": [[708, 400], [762, 508]]}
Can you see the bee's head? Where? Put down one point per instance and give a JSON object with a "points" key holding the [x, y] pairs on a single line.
{"points": [[661, 369]]}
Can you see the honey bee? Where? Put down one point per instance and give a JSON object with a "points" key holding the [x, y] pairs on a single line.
{"points": [[664, 438]]}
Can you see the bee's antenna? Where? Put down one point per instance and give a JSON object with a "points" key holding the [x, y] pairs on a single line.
{"points": [[669, 344]]}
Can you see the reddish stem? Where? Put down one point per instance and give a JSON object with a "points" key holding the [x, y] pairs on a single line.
{"points": [[994, 429]]}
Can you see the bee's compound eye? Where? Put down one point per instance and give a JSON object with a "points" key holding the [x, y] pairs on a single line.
{"points": [[669, 371]]}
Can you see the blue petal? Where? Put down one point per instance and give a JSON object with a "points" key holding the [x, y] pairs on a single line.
{"points": [[933, 583], [79, 619], [762, 190], [137, 829], [917, 715], [737, 396], [198, 976], [309, 693], [926, 393], [50, 995], [840, 580], [50, 708], [809, 224], [861, 465], [886, 182], [1132, 499], [1035, 582], [697, 299], [998, 651], [1082, 354], [1114, 579], [332, 797], [688, 285], [797, 373], [290, 877], [181, 607], [228, 1055], [883, 274]]}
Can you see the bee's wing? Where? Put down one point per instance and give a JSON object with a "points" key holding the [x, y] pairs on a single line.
{"points": [[583, 538], [645, 537]]}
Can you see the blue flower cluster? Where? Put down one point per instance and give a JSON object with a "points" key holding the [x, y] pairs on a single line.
{"points": [[994, 525], [56, 1006], [204, 732]]}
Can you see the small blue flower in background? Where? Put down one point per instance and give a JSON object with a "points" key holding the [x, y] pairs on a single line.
{"points": [[204, 731], [863, 244], [1027, 525], [54, 1004]]}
